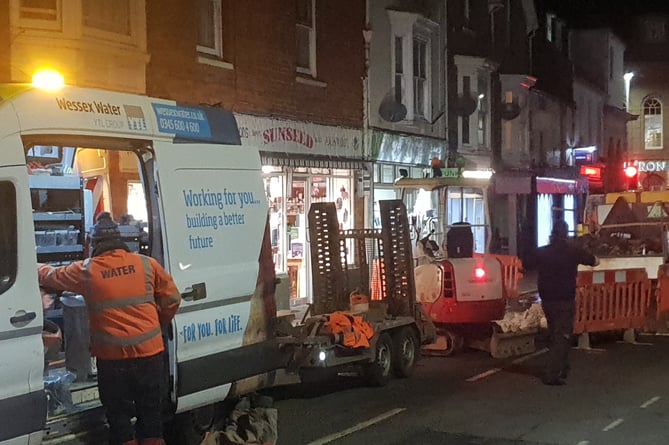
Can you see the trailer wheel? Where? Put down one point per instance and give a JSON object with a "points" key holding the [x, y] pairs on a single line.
{"points": [[405, 352], [378, 372]]}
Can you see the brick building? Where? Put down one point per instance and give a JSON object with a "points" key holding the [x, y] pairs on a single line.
{"points": [[291, 71]]}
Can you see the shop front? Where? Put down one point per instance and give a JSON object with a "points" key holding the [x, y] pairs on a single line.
{"points": [[400, 155], [304, 163], [527, 203]]}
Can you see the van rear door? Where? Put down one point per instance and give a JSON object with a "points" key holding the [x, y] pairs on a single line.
{"points": [[22, 398], [214, 213]]}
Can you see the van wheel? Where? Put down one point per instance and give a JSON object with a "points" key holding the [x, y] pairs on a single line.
{"points": [[378, 372], [405, 352], [189, 428]]}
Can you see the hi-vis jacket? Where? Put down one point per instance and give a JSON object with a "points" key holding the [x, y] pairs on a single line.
{"points": [[128, 297]]}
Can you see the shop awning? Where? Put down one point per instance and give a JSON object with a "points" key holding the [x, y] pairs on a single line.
{"points": [[520, 183], [296, 161], [513, 183], [548, 185]]}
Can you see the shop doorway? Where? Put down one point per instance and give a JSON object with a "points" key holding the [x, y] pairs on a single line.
{"points": [[290, 194]]}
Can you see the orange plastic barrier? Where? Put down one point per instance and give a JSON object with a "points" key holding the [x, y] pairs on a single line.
{"points": [[375, 282], [608, 300], [662, 293]]}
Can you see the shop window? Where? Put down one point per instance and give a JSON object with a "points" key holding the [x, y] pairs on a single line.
{"points": [[111, 16], [39, 10], [544, 219], [570, 213], [652, 121], [8, 236], [306, 36], [210, 28], [387, 174]]}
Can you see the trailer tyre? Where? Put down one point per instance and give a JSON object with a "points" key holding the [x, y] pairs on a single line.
{"points": [[379, 372], [405, 352]]}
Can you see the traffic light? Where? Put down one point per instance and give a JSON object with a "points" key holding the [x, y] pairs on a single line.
{"points": [[632, 176]]}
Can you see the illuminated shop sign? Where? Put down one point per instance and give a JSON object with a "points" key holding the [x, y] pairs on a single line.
{"points": [[651, 166]]}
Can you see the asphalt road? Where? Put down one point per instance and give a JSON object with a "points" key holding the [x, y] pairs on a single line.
{"points": [[616, 395]]}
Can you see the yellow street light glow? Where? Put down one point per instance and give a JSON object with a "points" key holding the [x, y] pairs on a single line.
{"points": [[48, 79]]}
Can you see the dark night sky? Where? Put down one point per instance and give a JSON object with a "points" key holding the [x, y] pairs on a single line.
{"points": [[615, 14], [605, 12]]}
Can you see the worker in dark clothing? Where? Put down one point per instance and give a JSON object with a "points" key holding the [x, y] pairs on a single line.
{"points": [[557, 265], [130, 299]]}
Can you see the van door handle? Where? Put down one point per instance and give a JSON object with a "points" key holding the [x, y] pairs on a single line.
{"points": [[197, 291], [22, 318]]}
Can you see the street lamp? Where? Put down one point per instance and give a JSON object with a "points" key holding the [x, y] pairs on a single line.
{"points": [[628, 79]]}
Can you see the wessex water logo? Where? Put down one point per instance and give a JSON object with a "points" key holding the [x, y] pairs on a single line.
{"points": [[111, 114]]}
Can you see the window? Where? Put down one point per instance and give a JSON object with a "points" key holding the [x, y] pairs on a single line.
{"points": [[466, 91], [8, 236], [481, 126], [306, 37], [420, 80], [38, 9], [399, 70], [611, 62], [466, 10], [652, 121], [550, 27], [210, 32], [654, 30], [108, 15]]}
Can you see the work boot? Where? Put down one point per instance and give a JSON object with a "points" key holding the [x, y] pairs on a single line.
{"points": [[152, 441]]}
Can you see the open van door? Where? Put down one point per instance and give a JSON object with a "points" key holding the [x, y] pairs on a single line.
{"points": [[22, 398], [214, 216]]}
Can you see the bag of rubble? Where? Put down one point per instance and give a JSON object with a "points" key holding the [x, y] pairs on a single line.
{"points": [[252, 422], [530, 319]]}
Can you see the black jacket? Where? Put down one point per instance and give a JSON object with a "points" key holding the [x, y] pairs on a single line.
{"points": [[557, 264]]}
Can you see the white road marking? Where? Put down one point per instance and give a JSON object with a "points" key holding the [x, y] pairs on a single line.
{"points": [[584, 442], [492, 371], [358, 427], [613, 424], [649, 402], [484, 374], [636, 343]]}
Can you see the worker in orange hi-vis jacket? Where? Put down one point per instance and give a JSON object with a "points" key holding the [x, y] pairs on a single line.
{"points": [[130, 299]]}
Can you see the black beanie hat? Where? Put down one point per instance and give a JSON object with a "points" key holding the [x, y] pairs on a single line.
{"points": [[105, 229]]}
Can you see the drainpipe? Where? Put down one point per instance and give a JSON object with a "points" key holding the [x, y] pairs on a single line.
{"points": [[366, 135]]}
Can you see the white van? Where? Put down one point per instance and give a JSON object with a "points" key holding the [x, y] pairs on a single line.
{"points": [[186, 193]]}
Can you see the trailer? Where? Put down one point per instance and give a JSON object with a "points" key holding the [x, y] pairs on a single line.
{"points": [[347, 266]]}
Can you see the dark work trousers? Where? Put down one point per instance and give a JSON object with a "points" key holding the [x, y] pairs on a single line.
{"points": [[132, 388], [560, 318]]}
